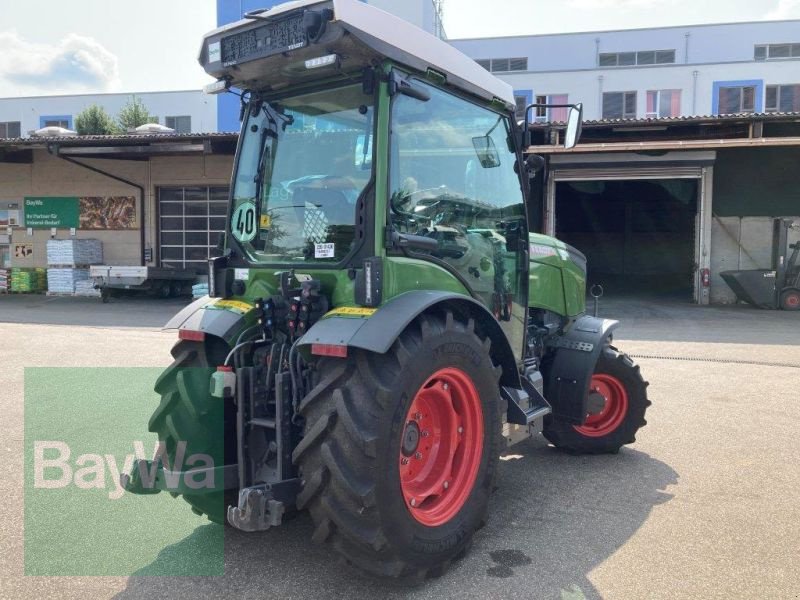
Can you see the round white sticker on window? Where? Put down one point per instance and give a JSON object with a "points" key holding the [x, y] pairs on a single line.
{"points": [[243, 222]]}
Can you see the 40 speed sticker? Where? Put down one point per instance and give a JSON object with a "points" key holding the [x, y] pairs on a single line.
{"points": [[243, 222]]}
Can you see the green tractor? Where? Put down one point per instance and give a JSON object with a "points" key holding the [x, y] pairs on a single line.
{"points": [[381, 324]]}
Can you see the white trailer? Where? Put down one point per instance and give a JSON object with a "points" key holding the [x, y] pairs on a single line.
{"points": [[157, 281]]}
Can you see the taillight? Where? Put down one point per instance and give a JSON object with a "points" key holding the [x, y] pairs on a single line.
{"points": [[191, 336], [329, 350]]}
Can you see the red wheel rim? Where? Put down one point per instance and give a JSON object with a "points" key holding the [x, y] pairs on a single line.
{"points": [[793, 300], [441, 447], [614, 411]]}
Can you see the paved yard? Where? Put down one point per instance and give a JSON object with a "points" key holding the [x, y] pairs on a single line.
{"points": [[705, 504]]}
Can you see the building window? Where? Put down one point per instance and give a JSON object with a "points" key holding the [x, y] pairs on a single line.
{"points": [[619, 105], [632, 59], [551, 115], [179, 124], [522, 98], [503, 65], [10, 129], [776, 51], [191, 220], [780, 98], [663, 103], [64, 121], [735, 100]]}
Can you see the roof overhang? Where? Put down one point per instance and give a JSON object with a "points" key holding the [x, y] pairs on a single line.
{"points": [[122, 147]]}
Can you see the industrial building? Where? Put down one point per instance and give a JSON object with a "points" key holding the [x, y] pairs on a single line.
{"points": [[661, 200]]}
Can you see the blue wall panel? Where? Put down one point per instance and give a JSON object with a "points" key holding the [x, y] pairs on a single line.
{"points": [[229, 11]]}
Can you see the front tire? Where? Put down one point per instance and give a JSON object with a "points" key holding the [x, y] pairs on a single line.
{"points": [[620, 382], [373, 482]]}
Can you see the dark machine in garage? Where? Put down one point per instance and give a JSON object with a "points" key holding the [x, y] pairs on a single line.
{"points": [[778, 287]]}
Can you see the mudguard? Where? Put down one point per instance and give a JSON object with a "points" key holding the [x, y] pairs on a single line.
{"points": [[568, 376], [378, 331], [225, 319]]}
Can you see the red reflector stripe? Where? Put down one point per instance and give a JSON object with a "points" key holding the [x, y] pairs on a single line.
{"points": [[329, 350], [191, 336]]}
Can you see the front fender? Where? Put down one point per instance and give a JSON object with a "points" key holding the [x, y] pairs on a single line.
{"points": [[568, 376], [376, 332]]}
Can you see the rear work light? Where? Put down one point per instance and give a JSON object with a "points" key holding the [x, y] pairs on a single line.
{"points": [[191, 336], [329, 350]]}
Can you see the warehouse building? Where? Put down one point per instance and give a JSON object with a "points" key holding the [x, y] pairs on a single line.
{"points": [[713, 69], [151, 199], [662, 207]]}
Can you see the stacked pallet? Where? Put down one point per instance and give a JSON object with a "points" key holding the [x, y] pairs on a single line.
{"points": [[85, 287], [68, 261], [63, 281], [199, 290], [27, 280], [74, 253], [3, 281]]}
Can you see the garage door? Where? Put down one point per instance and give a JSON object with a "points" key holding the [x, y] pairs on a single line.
{"points": [[191, 219], [632, 167]]}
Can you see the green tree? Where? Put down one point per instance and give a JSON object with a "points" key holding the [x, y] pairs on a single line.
{"points": [[134, 114], [94, 120]]}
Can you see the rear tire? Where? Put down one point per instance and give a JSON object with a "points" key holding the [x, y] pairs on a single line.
{"points": [[790, 299], [188, 413], [356, 438], [620, 381]]}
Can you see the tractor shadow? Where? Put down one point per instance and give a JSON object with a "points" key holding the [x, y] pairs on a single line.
{"points": [[553, 519]]}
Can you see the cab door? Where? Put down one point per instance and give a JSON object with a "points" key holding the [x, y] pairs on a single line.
{"points": [[453, 179]]}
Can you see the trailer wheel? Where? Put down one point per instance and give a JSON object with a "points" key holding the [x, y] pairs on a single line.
{"points": [[620, 382], [790, 299], [399, 450], [188, 413]]}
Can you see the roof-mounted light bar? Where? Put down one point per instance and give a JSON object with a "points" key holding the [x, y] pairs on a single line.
{"points": [[218, 87], [322, 61]]}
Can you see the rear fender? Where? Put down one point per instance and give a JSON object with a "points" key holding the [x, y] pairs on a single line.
{"points": [[568, 375], [377, 332], [224, 319]]}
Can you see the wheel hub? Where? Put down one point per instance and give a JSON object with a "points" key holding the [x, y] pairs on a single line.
{"points": [[410, 439]]}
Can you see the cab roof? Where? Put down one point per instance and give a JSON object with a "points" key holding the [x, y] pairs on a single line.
{"points": [[362, 35]]}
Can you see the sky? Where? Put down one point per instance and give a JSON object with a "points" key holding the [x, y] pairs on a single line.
{"points": [[87, 46]]}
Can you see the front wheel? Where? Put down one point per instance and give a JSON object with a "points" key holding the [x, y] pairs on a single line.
{"points": [[790, 299], [399, 450], [618, 380]]}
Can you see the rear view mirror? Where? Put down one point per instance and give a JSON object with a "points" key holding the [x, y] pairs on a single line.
{"points": [[574, 126], [486, 150]]}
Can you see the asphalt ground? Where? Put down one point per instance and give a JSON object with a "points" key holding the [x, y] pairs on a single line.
{"points": [[703, 505]]}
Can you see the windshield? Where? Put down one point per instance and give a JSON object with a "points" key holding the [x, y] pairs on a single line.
{"points": [[304, 161]]}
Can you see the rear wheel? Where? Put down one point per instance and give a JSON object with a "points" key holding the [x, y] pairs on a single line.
{"points": [[620, 382], [400, 450], [790, 299]]}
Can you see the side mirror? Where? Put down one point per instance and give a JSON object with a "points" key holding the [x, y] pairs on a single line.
{"points": [[533, 164], [574, 126], [486, 151]]}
